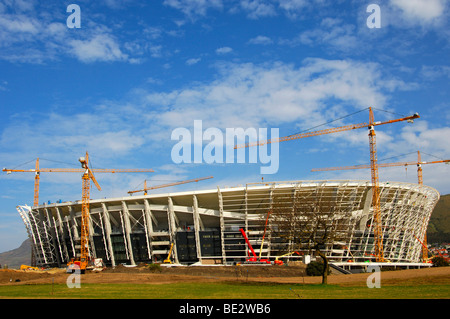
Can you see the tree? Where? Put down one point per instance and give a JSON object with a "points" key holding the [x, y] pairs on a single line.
{"points": [[311, 224], [439, 261]]}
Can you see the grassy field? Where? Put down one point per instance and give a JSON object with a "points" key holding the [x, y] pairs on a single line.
{"points": [[223, 291]]}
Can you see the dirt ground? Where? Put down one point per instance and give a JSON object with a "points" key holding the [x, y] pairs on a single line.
{"points": [[273, 274]]}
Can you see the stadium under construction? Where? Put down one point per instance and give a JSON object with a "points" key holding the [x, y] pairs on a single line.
{"points": [[203, 226]]}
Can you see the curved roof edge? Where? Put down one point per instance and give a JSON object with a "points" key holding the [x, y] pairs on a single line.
{"points": [[256, 185]]}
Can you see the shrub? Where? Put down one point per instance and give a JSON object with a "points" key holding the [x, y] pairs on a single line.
{"points": [[154, 267], [439, 262], [315, 268]]}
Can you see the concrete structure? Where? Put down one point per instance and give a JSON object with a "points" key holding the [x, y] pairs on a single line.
{"points": [[204, 225]]}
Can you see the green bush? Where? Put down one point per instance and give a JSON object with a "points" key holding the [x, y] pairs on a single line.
{"points": [[315, 268], [154, 267]]}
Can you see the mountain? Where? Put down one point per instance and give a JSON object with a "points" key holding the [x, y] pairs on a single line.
{"points": [[439, 226], [16, 257]]}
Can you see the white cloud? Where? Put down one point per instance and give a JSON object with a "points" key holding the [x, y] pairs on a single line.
{"points": [[193, 61], [34, 37], [421, 11], [432, 72], [20, 5], [248, 95], [421, 137], [293, 7], [224, 50], [261, 39], [194, 8], [105, 131], [243, 95], [258, 8], [101, 47], [254, 9], [3, 85], [332, 32], [19, 24]]}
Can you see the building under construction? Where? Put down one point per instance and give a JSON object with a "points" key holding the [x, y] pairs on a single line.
{"points": [[204, 226]]}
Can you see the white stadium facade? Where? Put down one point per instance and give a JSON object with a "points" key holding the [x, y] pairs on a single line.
{"points": [[204, 225]]}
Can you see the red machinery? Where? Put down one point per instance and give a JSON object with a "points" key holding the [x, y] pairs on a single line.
{"points": [[253, 260]]}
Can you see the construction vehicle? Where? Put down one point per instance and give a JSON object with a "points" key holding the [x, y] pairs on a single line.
{"points": [[26, 267], [98, 264], [253, 260], [279, 262], [377, 230], [145, 189], [168, 260]]}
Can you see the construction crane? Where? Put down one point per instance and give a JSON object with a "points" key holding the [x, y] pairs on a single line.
{"points": [[37, 171], [279, 262], [253, 260], [418, 163], [168, 260], [88, 175], [373, 164], [145, 189]]}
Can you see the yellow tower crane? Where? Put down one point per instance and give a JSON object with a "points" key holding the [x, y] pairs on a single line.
{"points": [[373, 164], [418, 163], [38, 172], [82, 261], [145, 189]]}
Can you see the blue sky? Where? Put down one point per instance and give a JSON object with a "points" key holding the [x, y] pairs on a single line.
{"points": [[134, 71]]}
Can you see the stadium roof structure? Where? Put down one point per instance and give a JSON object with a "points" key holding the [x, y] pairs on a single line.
{"points": [[203, 225]]}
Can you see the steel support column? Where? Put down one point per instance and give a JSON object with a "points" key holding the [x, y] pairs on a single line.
{"points": [[197, 225], [172, 228], [127, 225], [222, 225], [148, 228], [107, 224]]}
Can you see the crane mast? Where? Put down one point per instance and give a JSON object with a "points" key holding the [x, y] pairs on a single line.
{"points": [[36, 184], [86, 189], [377, 230]]}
